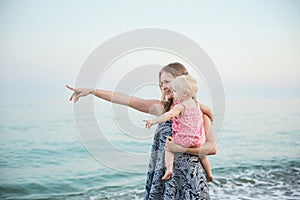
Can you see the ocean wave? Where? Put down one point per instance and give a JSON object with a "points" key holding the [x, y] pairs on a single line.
{"points": [[258, 182]]}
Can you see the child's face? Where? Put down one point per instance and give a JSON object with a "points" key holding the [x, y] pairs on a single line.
{"points": [[178, 93]]}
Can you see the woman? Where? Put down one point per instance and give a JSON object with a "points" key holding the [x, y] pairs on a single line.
{"points": [[189, 179]]}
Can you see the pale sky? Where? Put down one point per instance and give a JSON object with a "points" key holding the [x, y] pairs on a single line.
{"points": [[254, 44]]}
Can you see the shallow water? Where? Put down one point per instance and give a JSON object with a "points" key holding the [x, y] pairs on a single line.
{"points": [[42, 156]]}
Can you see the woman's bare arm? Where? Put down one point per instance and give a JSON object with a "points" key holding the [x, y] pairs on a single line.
{"points": [[143, 105], [209, 148], [207, 111], [151, 106]]}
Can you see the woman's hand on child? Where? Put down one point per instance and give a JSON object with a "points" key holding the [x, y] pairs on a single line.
{"points": [[172, 146]]}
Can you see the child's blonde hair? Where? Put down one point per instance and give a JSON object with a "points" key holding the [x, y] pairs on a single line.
{"points": [[186, 82]]}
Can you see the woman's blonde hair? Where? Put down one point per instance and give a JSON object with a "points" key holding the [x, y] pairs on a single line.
{"points": [[174, 69]]}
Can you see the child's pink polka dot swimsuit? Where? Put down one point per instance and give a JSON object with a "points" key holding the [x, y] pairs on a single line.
{"points": [[188, 130]]}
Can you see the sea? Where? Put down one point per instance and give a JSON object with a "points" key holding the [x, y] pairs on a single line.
{"points": [[45, 155]]}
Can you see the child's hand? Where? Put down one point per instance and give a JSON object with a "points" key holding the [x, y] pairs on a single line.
{"points": [[149, 123]]}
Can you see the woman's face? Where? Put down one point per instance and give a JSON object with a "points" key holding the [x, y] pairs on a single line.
{"points": [[165, 83]]}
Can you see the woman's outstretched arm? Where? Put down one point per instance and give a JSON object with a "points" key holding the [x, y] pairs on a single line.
{"points": [[151, 106], [209, 148]]}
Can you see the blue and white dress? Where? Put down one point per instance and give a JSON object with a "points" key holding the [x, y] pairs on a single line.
{"points": [[188, 181]]}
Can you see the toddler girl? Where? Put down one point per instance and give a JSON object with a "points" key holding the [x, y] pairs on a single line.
{"points": [[187, 126]]}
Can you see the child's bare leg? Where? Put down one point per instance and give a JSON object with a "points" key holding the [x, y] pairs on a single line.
{"points": [[169, 159], [206, 166]]}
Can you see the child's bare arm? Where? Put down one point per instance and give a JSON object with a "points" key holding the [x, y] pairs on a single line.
{"points": [[174, 112]]}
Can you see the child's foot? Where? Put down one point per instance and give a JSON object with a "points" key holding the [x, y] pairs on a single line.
{"points": [[210, 178], [167, 175]]}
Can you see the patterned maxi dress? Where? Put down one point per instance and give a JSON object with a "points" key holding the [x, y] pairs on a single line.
{"points": [[189, 179]]}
